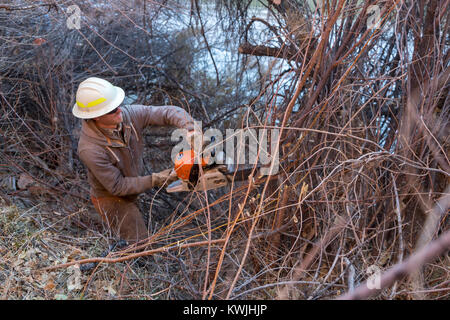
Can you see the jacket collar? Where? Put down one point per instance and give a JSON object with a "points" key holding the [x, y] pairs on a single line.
{"points": [[93, 134]]}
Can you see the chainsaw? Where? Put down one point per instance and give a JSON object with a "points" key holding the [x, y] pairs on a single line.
{"points": [[205, 174]]}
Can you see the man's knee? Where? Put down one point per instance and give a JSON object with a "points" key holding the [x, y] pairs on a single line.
{"points": [[123, 218]]}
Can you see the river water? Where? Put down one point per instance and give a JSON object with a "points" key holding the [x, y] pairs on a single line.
{"points": [[239, 75]]}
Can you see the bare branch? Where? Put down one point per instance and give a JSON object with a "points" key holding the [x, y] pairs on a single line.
{"points": [[425, 255]]}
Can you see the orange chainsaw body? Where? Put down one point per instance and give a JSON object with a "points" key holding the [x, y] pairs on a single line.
{"points": [[194, 176], [188, 170], [185, 162]]}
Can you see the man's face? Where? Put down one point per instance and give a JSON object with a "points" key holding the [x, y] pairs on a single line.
{"points": [[110, 119]]}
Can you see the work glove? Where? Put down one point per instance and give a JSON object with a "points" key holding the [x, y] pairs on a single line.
{"points": [[164, 178]]}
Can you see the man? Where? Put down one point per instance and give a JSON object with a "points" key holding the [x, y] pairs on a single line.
{"points": [[111, 146]]}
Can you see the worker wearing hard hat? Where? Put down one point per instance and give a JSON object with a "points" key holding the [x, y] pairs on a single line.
{"points": [[111, 146]]}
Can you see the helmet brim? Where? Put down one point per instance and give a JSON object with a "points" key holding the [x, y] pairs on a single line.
{"points": [[84, 114]]}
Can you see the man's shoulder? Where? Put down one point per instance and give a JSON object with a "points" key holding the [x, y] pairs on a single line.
{"points": [[130, 108], [131, 112], [89, 146], [138, 114]]}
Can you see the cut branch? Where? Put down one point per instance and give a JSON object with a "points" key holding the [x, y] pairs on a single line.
{"points": [[9, 8], [135, 255], [265, 51]]}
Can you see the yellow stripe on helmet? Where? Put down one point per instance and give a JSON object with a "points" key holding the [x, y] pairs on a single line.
{"points": [[92, 103]]}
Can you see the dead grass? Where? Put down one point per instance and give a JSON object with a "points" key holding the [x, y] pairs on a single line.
{"points": [[33, 239]]}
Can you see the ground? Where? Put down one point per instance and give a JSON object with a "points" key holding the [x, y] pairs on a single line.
{"points": [[35, 238]]}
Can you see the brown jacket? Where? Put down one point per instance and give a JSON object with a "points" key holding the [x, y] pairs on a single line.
{"points": [[115, 167]]}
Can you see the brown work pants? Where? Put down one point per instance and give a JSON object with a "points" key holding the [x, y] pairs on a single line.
{"points": [[123, 218]]}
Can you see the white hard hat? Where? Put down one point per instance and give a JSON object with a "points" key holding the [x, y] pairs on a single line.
{"points": [[96, 97]]}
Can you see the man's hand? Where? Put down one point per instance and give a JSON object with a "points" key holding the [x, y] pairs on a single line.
{"points": [[164, 178]]}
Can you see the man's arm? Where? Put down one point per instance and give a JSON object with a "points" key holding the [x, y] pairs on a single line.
{"points": [[161, 116], [112, 179]]}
